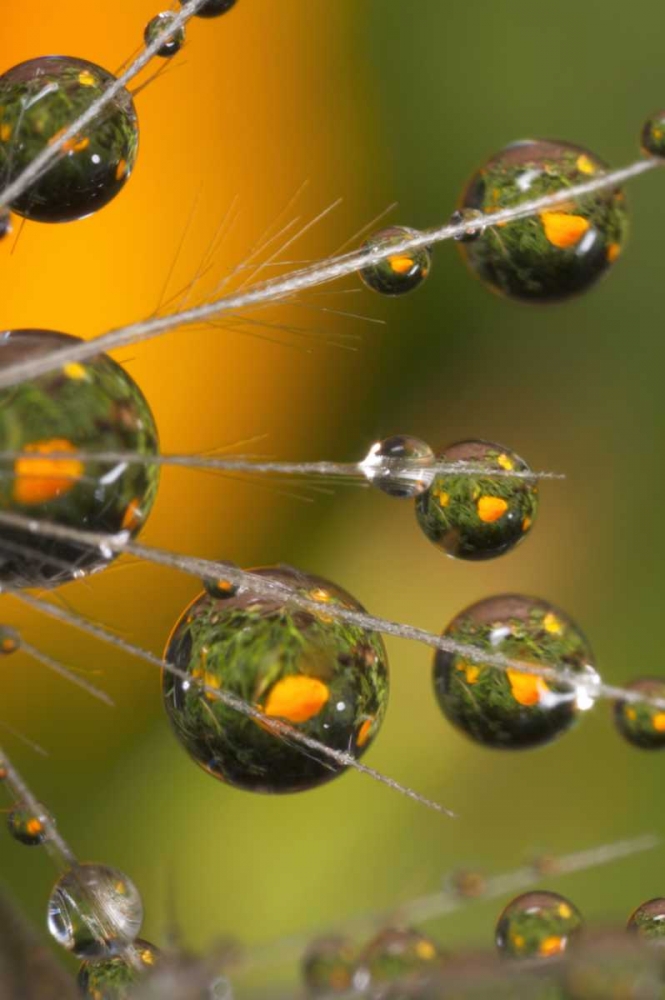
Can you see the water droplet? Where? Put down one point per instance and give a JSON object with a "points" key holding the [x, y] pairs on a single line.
{"points": [[537, 925], [399, 466], [94, 911]]}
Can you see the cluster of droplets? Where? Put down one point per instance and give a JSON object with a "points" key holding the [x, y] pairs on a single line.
{"points": [[545, 257], [474, 499], [333, 965], [332, 683], [39, 100], [94, 911], [175, 41], [536, 930]]}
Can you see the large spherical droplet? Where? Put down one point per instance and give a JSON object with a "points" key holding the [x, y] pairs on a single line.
{"points": [[479, 514], [511, 709], [402, 272], [326, 679], [397, 959], [537, 925], [328, 966], [39, 100], [113, 978], [400, 466], [557, 252], [94, 911], [90, 407], [648, 920], [640, 722]]}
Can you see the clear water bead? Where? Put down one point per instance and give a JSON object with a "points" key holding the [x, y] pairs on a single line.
{"points": [[158, 24], [94, 911], [467, 217], [401, 466]]}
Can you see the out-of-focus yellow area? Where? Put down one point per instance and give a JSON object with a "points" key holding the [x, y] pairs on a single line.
{"points": [[375, 102]]}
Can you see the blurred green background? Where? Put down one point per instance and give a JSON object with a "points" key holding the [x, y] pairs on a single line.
{"points": [[381, 100]]}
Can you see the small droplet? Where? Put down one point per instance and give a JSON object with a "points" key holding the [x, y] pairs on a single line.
{"points": [[466, 216], [5, 224], [537, 925], [328, 966], [546, 864], [640, 722], [28, 827], [113, 978], [468, 884], [219, 589], [155, 27], [10, 640], [648, 920], [400, 273], [397, 958], [653, 134], [400, 466], [94, 911], [214, 8]]}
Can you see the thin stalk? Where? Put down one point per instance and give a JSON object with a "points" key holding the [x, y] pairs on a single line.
{"points": [[281, 289], [55, 844], [279, 592], [408, 468], [446, 902], [280, 729]]}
